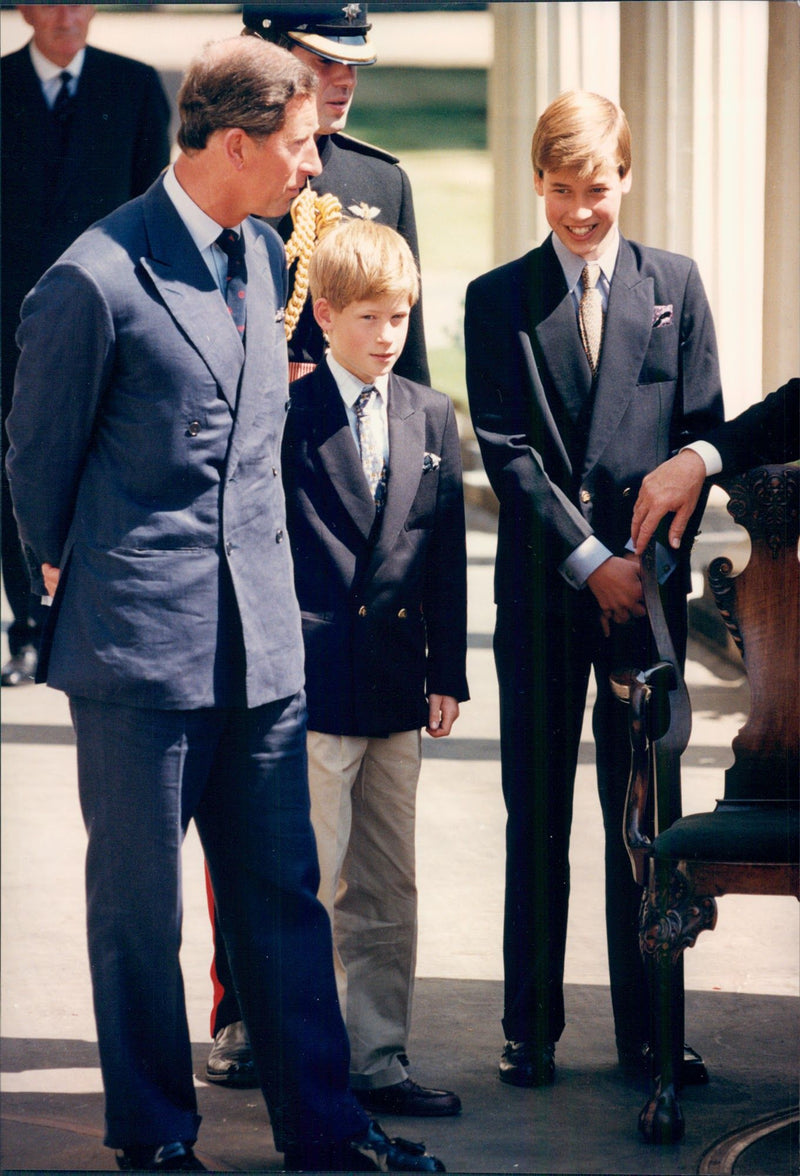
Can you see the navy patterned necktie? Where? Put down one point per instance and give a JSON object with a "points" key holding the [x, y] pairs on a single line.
{"points": [[371, 450], [236, 280]]}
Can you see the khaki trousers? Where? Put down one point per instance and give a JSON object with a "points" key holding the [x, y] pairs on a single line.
{"points": [[363, 805]]}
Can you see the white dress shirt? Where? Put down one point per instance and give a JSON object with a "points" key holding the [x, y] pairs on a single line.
{"points": [[350, 387]]}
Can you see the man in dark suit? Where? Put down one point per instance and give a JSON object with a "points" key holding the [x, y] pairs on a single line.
{"points": [[73, 148], [767, 432], [145, 470], [366, 180], [589, 360]]}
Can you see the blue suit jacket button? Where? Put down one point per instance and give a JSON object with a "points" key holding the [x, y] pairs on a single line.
{"points": [[279, 537], [194, 428]]}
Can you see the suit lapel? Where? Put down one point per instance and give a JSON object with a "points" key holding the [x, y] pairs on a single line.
{"points": [[556, 326], [190, 293], [625, 339], [406, 452], [338, 452], [263, 352]]}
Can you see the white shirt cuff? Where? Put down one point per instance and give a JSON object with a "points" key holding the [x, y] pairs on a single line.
{"points": [[710, 456], [585, 559]]}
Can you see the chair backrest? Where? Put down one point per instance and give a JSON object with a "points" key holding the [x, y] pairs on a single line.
{"points": [[761, 607]]}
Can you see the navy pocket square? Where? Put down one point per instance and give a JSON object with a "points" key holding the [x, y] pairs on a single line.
{"points": [[431, 461], [662, 316]]}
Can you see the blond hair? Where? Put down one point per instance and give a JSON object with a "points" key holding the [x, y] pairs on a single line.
{"points": [[360, 259], [583, 131]]}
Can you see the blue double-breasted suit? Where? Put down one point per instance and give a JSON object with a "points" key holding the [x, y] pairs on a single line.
{"points": [[145, 463], [565, 454]]}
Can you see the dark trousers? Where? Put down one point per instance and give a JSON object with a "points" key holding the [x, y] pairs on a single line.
{"points": [[543, 663], [241, 774]]}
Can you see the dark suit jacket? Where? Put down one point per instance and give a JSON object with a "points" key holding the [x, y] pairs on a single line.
{"points": [[565, 458], [384, 614], [767, 432], [368, 183], [118, 145], [145, 455]]}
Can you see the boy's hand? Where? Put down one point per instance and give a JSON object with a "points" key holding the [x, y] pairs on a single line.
{"points": [[50, 576], [673, 486], [442, 713], [617, 587]]}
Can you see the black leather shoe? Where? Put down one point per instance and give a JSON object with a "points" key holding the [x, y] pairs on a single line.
{"points": [[230, 1062], [636, 1063], [372, 1152], [20, 670], [170, 1157], [524, 1063], [407, 1098]]}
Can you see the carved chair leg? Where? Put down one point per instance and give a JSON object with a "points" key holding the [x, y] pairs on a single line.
{"points": [[661, 1118]]}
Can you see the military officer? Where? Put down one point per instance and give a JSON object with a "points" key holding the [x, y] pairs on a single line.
{"points": [[366, 181]]}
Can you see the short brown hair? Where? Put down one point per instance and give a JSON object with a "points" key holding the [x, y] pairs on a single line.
{"points": [[360, 259], [241, 82], [584, 131]]}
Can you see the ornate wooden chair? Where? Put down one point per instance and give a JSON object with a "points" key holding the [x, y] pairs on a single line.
{"points": [[749, 843]]}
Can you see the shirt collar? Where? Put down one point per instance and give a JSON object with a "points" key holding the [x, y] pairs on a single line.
{"points": [[350, 386], [572, 265], [202, 229], [46, 69]]}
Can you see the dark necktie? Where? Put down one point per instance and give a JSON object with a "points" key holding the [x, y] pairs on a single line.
{"points": [[371, 450], [236, 280], [62, 107]]}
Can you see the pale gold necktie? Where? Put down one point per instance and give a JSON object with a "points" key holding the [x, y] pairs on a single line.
{"points": [[590, 316]]}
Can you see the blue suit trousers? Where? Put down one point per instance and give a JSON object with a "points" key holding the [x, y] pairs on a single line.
{"points": [[241, 774]]}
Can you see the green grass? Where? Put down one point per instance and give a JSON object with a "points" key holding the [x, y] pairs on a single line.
{"points": [[435, 121]]}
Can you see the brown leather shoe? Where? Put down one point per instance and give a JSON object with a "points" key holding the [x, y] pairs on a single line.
{"points": [[408, 1098]]}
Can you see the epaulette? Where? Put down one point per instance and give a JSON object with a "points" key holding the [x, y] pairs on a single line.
{"points": [[348, 143]]}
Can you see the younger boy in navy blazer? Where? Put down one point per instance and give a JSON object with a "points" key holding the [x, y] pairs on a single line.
{"points": [[380, 574]]}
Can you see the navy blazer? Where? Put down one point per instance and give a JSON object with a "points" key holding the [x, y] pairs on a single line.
{"points": [[145, 462], [767, 432], [566, 456], [383, 604]]}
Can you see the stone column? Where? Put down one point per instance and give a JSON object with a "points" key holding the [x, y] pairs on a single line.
{"points": [[782, 199], [540, 49], [694, 87]]}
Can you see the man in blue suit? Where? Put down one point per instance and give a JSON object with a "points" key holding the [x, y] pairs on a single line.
{"points": [[145, 472]]}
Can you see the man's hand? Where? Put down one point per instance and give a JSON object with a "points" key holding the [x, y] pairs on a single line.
{"points": [[442, 713], [50, 576], [617, 587], [674, 486]]}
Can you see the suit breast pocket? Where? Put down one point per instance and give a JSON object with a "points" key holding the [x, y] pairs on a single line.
{"points": [[661, 360], [423, 508]]}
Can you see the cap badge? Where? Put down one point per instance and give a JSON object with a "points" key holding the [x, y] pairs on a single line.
{"points": [[351, 12], [363, 210]]}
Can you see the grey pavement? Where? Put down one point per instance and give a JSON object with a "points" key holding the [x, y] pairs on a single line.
{"points": [[742, 1008]]}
